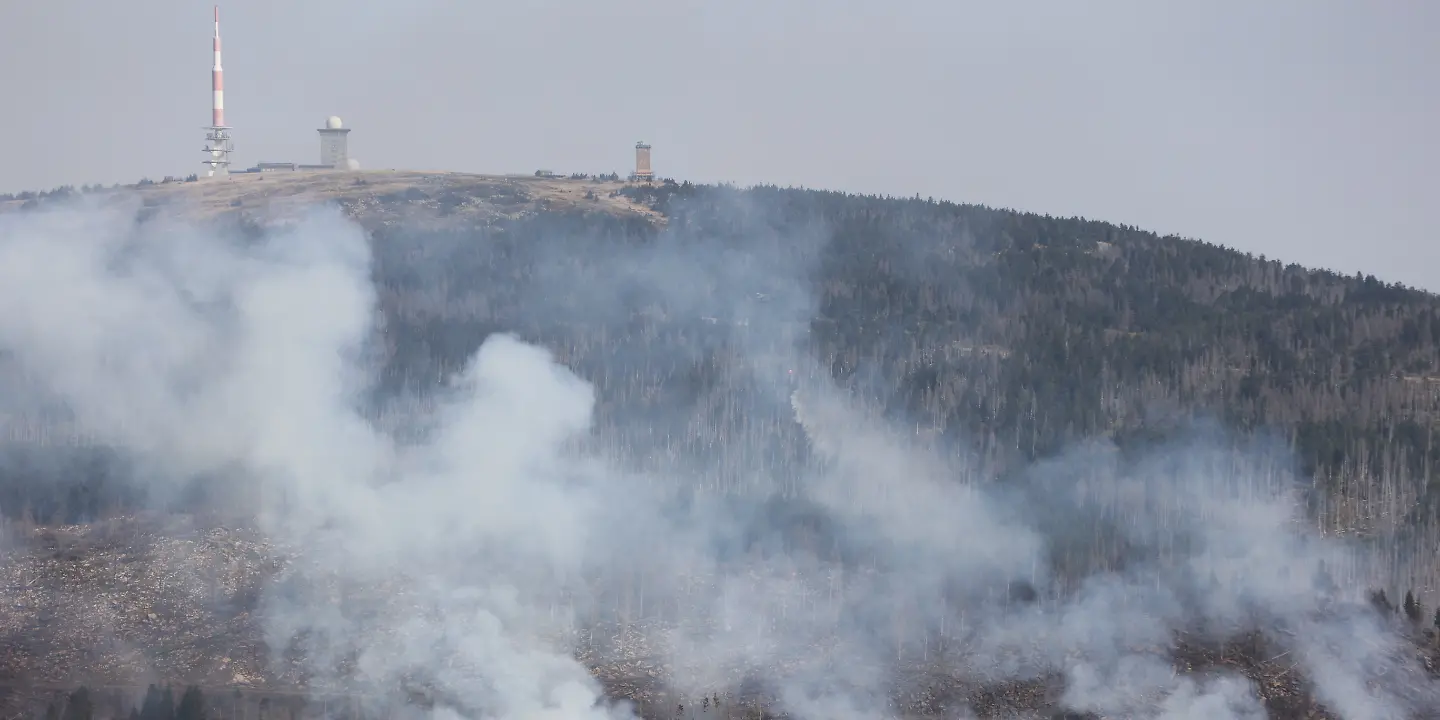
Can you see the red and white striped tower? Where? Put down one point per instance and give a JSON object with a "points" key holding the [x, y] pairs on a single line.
{"points": [[218, 144], [217, 79]]}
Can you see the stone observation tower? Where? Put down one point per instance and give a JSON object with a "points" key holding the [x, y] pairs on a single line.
{"points": [[642, 163], [334, 145]]}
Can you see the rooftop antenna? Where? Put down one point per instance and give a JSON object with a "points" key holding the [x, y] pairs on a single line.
{"points": [[217, 137]]}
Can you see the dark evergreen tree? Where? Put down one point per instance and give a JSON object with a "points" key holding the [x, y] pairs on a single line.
{"points": [[79, 706], [167, 704], [1413, 611], [150, 707], [1381, 603], [192, 705]]}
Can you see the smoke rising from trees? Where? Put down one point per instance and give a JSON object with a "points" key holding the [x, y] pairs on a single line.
{"points": [[471, 553]]}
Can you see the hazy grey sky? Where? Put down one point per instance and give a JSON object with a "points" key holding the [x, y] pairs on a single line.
{"points": [[1302, 129]]}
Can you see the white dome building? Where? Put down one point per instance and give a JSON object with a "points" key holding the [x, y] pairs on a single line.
{"points": [[334, 144]]}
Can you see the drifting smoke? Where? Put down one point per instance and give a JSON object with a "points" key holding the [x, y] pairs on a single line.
{"points": [[470, 560]]}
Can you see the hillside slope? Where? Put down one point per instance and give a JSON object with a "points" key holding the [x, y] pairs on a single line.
{"points": [[1005, 343], [1012, 334]]}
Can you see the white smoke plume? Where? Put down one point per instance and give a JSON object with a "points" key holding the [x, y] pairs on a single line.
{"points": [[465, 562], [203, 355]]}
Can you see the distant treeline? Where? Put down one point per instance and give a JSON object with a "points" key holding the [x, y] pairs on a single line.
{"points": [[33, 198], [159, 704]]}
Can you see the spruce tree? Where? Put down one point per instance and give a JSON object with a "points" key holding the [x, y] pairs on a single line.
{"points": [[1412, 608], [79, 706], [1381, 603], [192, 705], [150, 708]]}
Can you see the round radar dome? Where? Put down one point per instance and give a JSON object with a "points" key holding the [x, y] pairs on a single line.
{"points": [[333, 123]]}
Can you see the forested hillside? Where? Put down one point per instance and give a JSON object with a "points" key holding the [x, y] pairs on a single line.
{"points": [[1025, 354], [1013, 334], [1010, 333]]}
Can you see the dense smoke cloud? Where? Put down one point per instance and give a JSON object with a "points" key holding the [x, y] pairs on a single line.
{"points": [[471, 558]]}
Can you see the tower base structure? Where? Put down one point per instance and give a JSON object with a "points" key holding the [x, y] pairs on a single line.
{"points": [[218, 147]]}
